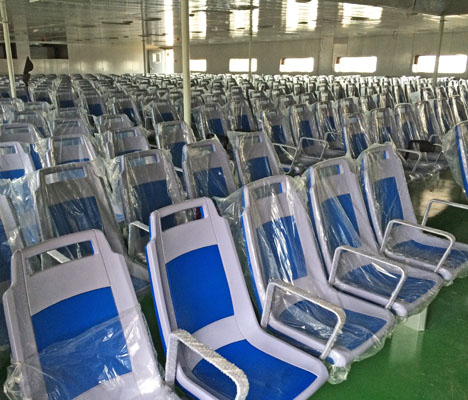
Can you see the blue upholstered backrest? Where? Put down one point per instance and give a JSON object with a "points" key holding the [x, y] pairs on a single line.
{"points": [[197, 306]]}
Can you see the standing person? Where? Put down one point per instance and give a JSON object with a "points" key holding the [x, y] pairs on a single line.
{"points": [[28, 67]]}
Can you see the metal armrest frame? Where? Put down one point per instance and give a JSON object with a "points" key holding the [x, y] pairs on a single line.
{"points": [[287, 287], [227, 368], [445, 202], [343, 249], [423, 228]]}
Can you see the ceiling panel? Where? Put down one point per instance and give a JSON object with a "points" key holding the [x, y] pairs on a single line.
{"points": [[222, 21]]}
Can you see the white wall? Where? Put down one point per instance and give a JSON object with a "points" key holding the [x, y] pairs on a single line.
{"points": [[85, 58], [395, 52]]}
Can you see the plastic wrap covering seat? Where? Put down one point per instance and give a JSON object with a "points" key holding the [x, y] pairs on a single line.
{"points": [[71, 126], [213, 122], [281, 247], [147, 182], [42, 94], [349, 248], [328, 123], [69, 149], [23, 133], [356, 134], [347, 105], [128, 107], [94, 104], [277, 127], [15, 160], [382, 123], [64, 99], [430, 129], [367, 103], [23, 94], [240, 116], [216, 311], [161, 112], [76, 329], [173, 136], [387, 199], [125, 140], [36, 118], [207, 171], [109, 122], [444, 114], [72, 198], [255, 157], [460, 113]]}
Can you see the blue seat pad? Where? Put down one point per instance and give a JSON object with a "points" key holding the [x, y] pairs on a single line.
{"points": [[369, 278], [431, 254], [269, 378], [319, 322]]}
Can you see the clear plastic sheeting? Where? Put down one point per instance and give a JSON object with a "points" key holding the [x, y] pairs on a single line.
{"points": [[349, 249], [71, 126], [455, 149], [122, 141], [96, 362], [68, 149], [356, 133], [382, 123], [38, 118], [207, 170], [173, 136], [394, 222], [328, 124], [430, 128], [240, 116], [73, 337], [255, 156], [276, 241], [109, 122]]}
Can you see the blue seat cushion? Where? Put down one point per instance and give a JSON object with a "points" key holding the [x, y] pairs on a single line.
{"points": [[66, 103], [4, 340], [244, 123], [388, 200], [278, 134], [96, 109], [259, 168], [269, 378], [73, 161], [431, 254], [340, 222], [216, 126], [176, 153], [281, 250], [76, 215], [319, 322], [167, 116], [5, 255], [81, 343], [148, 197], [199, 288], [12, 174], [130, 113], [211, 182], [369, 278], [358, 143]]}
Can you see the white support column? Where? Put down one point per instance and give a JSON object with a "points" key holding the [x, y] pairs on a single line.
{"points": [[441, 36], [186, 61], [250, 41], [6, 36], [143, 41]]}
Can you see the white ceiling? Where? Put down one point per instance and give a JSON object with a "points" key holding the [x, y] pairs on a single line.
{"points": [[223, 21]]}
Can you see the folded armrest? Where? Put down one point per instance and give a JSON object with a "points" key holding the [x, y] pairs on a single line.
{"points": [[445, 202], [286, 287], [373, 257], [209, 355]]}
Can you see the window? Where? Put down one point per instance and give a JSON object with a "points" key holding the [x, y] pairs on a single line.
{"points": [[198, 65], [356, 64], [242, 65], [297, 64], [48, 51], [14, 53], [453, 64]]}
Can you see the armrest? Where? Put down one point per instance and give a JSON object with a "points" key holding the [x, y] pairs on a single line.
{"points": [[307, 139], [434, 231], [133, 228], [373, 257], [445, 202], [57, 256], [418, 153], [286, 147], [193, 344], [286, 287]]}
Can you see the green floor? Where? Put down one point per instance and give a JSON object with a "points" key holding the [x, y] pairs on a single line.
{"points": [[429, 365]]}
